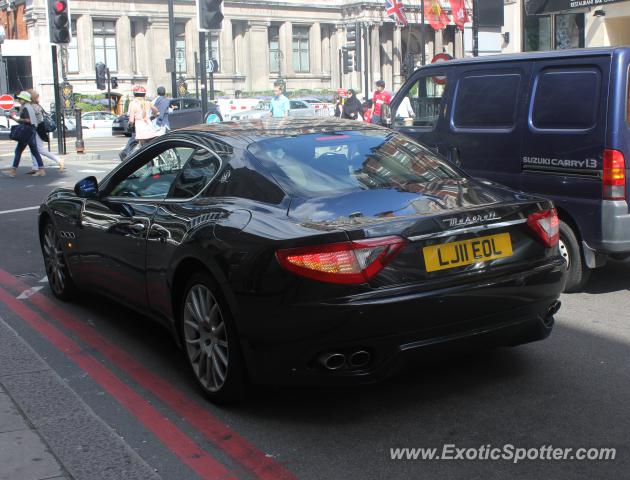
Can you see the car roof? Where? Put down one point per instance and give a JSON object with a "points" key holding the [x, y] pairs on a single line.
{"points": [[516, 57], [245, 132]]}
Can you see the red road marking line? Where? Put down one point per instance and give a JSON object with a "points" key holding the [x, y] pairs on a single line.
{"points": [[211, 427], [171, 436]]}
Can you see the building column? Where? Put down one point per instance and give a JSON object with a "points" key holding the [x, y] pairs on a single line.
{"points": [[387, 55], [315, 47], [141, 47], [335, 48], [123, 45], [397, 57], [157, 40], [375, 53], [258, 76], [226, 43], [439, 42], [285, 40], [459, 44], [239, 48], [85, 44], [326, 53]]}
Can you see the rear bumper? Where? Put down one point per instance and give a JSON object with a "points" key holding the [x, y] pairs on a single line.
{"points": [[615, 228], [508, 310]]}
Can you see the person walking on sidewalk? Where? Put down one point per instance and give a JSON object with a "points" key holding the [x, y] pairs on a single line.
{"points": [[163, 105], [26, 117], [42, 134]]}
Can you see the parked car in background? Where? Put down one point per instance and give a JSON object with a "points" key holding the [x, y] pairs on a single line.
{"points": [[184, 113], [98, 120], [554, 124], [259, 111], [299, 107]]}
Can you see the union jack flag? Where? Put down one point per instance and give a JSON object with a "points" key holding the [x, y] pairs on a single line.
{"points": [[394, 9]]}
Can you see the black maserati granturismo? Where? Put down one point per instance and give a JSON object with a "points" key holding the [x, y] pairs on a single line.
{"points": [[306, 251]]}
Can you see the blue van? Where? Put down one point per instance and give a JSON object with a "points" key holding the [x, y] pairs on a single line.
{"points": [[556, 124]]}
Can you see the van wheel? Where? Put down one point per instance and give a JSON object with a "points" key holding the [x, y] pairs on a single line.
{"points": [[578, 272]]}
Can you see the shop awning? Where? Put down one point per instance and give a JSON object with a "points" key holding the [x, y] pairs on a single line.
{"points": [[540, 7]]}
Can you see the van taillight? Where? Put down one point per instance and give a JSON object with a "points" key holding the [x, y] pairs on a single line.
{"points": [[614, 177]]}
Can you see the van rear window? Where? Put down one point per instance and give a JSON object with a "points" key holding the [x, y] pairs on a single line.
{"points": [[566, 99]]}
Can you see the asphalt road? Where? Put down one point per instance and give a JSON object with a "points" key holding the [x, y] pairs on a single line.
{"points": [[571, 390]]}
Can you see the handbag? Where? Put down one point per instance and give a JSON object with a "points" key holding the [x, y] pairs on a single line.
{"points": [[21, 133], [49, 123]]}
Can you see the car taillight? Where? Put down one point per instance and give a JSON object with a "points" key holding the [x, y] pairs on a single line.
{"points": [[546, 225], [614, 177], [346, 262]]}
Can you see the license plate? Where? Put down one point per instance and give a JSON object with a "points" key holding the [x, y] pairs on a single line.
{"points": [[466, 252]]}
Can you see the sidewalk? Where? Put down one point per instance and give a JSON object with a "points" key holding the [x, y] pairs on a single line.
{"points": [[23, 453]]}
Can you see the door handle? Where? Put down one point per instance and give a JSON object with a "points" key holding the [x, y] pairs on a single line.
{"points": [[138, 227]]}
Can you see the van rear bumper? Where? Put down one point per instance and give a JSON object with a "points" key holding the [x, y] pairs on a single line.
{"points": [[615, 228]]}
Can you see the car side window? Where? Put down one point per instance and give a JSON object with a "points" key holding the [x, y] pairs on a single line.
{"points": [[295, 105], [199, 170], [153, 179], [190, 103], [421, 106]]}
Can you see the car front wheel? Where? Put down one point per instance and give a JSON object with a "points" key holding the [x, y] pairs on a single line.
{"points": [[578, 272], [210, 341], [57, 271]]}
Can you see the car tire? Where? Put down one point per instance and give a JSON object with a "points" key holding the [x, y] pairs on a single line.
{"points": [[59, 278], [578, 272], [210, 341]]}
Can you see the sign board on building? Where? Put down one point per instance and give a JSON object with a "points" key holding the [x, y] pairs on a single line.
{"points": [[541, 7]]}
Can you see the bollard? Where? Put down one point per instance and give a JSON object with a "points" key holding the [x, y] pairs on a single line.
{"points": [[79, 145]]}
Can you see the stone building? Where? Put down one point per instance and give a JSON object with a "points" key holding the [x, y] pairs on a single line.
{"points": [[261, 40]]}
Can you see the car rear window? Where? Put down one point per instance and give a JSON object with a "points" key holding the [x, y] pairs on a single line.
{"points": [[326, 163], [566, 99]]}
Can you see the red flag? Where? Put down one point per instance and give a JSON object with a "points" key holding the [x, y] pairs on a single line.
{"points": [[460, 14], [435, 15]]}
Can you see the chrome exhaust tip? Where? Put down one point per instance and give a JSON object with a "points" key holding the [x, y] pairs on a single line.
{"points": [[332, 361], [360, 358]]}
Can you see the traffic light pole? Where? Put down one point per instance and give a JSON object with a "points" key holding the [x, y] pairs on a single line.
{"points": [[109, 90], [61, 144], [366, 59], [203, 74], [171, 39], [475, 28]]}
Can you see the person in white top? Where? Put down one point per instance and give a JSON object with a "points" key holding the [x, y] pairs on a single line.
{"points": [[405, 110]]}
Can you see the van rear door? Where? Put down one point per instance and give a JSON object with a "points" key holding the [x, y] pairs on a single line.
{"points": [[565, 138]]}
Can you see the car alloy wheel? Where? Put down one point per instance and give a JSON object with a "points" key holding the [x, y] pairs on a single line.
{"points": [[206, 338], [56, 269]]}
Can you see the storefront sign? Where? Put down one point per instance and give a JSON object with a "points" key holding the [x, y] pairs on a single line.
{"points": [[541, 7]]}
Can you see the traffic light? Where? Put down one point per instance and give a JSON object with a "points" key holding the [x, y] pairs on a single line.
{"points": [[347, 60], [59, 21], [209, 15], [101, 76], [114, 81], [353, 43]]}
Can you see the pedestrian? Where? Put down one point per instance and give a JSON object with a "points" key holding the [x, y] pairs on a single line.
{"points": [[380, 98], [26, 117], [405, 110], [352, 108], [280, 104], [139, 114], [338, 105], [163, 105], [42, 135], [367, 111]]}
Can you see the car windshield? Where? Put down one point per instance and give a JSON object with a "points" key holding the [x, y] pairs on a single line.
{"points": [[326, 163]]}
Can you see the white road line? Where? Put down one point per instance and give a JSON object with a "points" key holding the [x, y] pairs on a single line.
{"points": [[44, 280], [15, 210], [28, 293], [92, 171]]}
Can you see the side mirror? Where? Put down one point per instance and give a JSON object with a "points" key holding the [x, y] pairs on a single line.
{"points": [[386, 115], [86, 188]]}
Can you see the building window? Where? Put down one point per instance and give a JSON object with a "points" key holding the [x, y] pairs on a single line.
{"points": [[273, 35], [301, 49], [550, 32], [73, 50], [213, 49], [180, 49], [105, 44]]}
